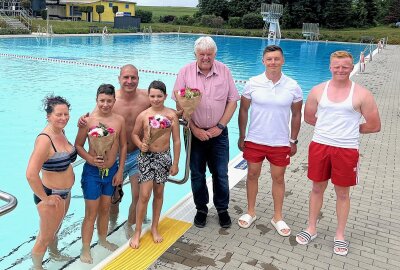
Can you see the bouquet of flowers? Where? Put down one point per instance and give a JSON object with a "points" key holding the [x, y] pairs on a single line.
{"points": [[188, 99], [158, 126], [101, 139]]}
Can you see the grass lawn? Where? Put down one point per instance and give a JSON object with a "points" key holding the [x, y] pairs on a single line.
{"points": [[163, 11], [346, 35]]}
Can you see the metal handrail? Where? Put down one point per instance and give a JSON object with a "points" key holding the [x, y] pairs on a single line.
{"points": [[188, 146], [11, 202]]}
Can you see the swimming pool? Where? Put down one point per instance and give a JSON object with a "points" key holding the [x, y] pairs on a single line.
{"points": [[74, 67]]}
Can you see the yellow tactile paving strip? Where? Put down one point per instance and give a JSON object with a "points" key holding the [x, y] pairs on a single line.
{"points": [[148, 252]]}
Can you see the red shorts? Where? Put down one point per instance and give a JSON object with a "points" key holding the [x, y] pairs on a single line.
{"points": [[329, 162], [256, 153]]}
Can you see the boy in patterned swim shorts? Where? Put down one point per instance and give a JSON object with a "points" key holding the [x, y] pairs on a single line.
{"points": [[155, 162]]}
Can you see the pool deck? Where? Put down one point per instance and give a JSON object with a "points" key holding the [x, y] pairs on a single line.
{"points": [[373, 227]]}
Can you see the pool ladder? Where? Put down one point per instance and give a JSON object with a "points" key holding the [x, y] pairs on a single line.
{"points": [[10, 205]]}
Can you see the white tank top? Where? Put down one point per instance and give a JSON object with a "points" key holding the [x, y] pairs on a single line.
{"points": [[337, 123]]}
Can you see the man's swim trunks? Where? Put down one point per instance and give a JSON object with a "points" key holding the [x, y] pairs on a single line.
{"points": [[131, 166], [154, 166]]}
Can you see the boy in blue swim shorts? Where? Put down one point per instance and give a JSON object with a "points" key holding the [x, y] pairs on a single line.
{"points": [[101, 173], [155, 162]]}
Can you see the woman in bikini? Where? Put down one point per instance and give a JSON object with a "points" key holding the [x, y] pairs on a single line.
{"points": [[52, 156]]}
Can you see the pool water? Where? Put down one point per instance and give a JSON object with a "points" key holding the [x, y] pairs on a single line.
{"points": [[74, 67]]}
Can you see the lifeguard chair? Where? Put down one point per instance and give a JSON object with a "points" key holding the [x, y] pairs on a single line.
{"points": [[310, 31], [271, 14]]}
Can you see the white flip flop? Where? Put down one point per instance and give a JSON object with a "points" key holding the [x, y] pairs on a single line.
{"points": [[248, 219], [279, 226]]}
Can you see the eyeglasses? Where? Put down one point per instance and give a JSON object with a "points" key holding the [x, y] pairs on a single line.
{"points": [[116, 199]]}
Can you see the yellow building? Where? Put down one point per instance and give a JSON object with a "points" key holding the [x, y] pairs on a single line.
{"points": [[72, 9]]}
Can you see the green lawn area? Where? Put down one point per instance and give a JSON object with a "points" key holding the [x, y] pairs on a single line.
{"points": [[346, 35], [163, 11]]}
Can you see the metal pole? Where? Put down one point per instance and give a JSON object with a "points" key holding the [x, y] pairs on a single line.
{"points": [[47, 21]]}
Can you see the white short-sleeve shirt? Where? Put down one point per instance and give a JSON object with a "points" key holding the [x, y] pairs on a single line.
{"points": [[270, 109]]}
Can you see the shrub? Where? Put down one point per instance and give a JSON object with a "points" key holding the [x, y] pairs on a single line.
{"points": [[9, 31], [115, 10], [167, 19], [184, 20], [212, 21], [26, 4], [252, 21], [146, 16], [235, 22], [43, 14]]}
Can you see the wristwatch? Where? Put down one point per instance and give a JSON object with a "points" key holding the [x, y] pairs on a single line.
{"points": [[220, 126], [293, 141]]}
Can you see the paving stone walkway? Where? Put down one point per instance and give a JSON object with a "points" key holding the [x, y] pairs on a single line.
{"points": [[374, 221]]}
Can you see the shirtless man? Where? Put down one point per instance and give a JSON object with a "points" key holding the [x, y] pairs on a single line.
{"points": [[130, 102]]}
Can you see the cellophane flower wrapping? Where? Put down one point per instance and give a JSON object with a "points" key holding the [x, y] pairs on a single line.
{"points": [[158, 126], [101, 139], [188, 99]]}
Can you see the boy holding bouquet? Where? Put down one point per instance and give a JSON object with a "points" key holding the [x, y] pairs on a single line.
{"points": [[155, 162], [101, 174]]}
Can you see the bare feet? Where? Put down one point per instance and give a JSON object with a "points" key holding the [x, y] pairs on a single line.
{"points": [[59, 257], [134, 242], [128, 230], [110, 246], [86, 257], [37, 261], [157, 238]]}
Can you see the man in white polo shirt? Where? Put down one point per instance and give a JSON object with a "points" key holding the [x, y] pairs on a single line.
{"points": [[272, 96]]}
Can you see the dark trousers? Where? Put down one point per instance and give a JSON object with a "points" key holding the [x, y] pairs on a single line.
{"points": [[213, 153]]}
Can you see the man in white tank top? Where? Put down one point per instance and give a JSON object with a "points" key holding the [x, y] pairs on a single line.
{"points": [[271, 98], [335, 108]]}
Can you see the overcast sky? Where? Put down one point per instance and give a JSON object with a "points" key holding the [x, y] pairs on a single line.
{"points": [[171, 3]]}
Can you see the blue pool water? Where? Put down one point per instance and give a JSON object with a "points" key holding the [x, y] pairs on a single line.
{"points": [[30, 68]]}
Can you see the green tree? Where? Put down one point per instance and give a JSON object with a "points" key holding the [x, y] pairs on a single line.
{"points": [[26, 4], [239, 8], [87, 10], [144, 15], [288, 19], [393, 15], [372, 12], [360, 14], [383, 10], [115, 10], [337, 13], [99, 10], [218, 8]]}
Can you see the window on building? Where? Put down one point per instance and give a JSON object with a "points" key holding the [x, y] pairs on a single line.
{"points": [[110, 5], [127, 6]]}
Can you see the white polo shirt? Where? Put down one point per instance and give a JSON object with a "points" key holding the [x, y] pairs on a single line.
{"points": [[270, 109]]}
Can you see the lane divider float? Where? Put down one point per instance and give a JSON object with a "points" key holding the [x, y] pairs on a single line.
{"points": [[74, 62]]}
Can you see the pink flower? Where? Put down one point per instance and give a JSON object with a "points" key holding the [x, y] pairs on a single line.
{"points": [[110, 130], [94, 133], [154, 123], [182, 92]]}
